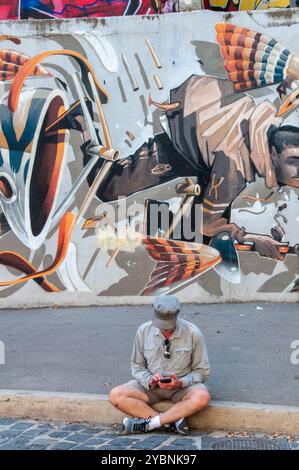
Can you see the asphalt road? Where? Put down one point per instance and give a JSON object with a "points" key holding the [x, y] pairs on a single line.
{"points": [[88, 349]]}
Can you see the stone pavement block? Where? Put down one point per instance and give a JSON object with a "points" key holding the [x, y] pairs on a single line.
{"points": [[150, 442], [107, 447], [22, 426], [7, 421], [11, 446], [83, 447], [59, 434], [169, 447], [46, 427], [188, 448], [183, 442], [91, 430], [141, 445], [22, 440], [63, 446], [10, 433], [122, 441], [73, 427], [94, 441], [35, 447], [78, 437], [295, 443], [43, 442], [31, 433]]}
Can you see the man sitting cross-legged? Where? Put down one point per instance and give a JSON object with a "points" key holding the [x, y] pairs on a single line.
{"points": [[169, 362]]}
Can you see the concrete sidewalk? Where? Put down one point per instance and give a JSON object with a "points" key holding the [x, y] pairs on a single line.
{"points": [[87, 350], [94, 408]]}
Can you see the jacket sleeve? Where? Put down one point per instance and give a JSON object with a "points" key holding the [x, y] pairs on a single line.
{"points": [[200, 367], [226, 182], [139, 368]]}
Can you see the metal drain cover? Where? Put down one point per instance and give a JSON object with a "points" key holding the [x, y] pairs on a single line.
{"points": [[212, 443]]}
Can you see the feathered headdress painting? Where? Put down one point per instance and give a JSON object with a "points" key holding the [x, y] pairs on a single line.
{"points": [[254, 60]]}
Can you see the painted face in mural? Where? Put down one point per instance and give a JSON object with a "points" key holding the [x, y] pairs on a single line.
{"points": [[288, 168], [285, 155]]}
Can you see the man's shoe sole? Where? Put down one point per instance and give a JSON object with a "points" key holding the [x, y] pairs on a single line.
{"points": [[183, 433]]}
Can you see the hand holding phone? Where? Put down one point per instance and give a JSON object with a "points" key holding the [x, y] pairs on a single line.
{"points": [[154, 380], [170, 383], [165, 380]]}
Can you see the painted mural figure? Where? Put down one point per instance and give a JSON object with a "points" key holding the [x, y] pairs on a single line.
{"points": [[213, 130], [223, 137]]}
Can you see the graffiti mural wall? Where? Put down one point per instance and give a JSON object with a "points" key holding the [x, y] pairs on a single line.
{"points": [[133, 167], [59, 9], [238, 5]]}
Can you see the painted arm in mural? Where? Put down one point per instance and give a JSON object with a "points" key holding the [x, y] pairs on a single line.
{"points": [[226, 182], [225, 185]]}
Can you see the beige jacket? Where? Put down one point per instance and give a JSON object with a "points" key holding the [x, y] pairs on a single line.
{"points": [[188, 354]]}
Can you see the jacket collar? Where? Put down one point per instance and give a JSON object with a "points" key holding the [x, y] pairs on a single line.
{"points": [[176, 334]]}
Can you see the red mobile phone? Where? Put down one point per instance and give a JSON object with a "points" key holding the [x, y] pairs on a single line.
{"points": [[165, 380]]}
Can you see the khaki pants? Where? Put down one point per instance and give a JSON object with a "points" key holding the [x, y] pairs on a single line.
{"points": [[158, 394]]}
